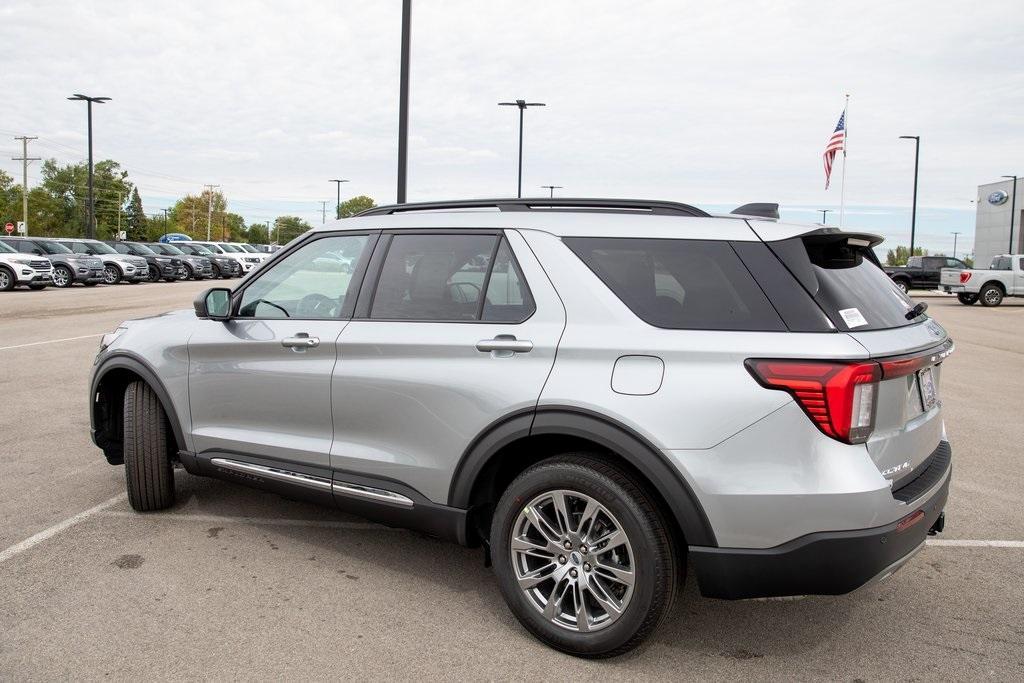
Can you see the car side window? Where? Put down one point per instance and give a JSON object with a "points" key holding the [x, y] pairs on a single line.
{"points": [[311, 283], [28, 248], [433, 277], [508, 298]]}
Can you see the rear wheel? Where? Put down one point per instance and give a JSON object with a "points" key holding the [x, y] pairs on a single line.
{"points": [[991, 295], [967, 299], [583, 556], [7, 280], [147, 458], [902, 284], [62, 276], [111, 275]]}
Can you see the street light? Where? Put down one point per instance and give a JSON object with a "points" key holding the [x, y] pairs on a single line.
{"points": [[90, 229], [403, 103], [1013, 212], [913, 213], [337, 205], [823, 212], [522, 104], [954, 233], [552, 188]]}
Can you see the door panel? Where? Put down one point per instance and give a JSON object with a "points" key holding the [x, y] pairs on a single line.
{"points": [[409, 397]]}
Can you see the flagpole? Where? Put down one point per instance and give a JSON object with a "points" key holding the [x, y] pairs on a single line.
{"points": [[846, 137]]}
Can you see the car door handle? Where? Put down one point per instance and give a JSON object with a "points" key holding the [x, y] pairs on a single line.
{"points": [[505, 342], [300, 341]]}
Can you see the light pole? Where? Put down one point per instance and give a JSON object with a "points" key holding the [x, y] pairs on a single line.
{"points": [[913, 211], [1013, 211], [403, 103], [954, 233], [552, 188], [522, 104], [823, 212], [337, 204], [90, 228]]}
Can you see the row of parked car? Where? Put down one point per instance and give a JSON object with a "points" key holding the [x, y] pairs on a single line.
{"points": [[37, 262]]}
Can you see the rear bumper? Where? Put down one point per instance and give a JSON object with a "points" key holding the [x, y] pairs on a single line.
{"points": [[825, 563]]}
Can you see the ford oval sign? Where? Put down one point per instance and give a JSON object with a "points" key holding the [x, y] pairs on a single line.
{"points": [[998, 197]]}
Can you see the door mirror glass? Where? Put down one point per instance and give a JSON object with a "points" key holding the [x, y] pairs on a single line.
{"points": [[214, 304]]}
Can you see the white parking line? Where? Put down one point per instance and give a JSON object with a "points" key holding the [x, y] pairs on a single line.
{"points": [[968, 543], [36, 539], [50, 341]]}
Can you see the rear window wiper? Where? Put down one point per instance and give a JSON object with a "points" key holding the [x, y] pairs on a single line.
{"points": [[917, 310]]}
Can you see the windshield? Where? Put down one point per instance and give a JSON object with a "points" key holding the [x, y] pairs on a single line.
{"points": [[52, 247], [4, 249], [143, 250], [168, 249], [209, 247], [229, 247], [99, 247], [249, 248], [197, 249]]}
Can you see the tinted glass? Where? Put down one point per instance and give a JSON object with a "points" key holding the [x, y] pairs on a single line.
{"points": [[99, 247], [121, 248], [76, 247], [1001, 263], [508, 298], [433, 277], [211, 247], [679, 284], [26, 247], [229, 248], [853, 291], [5, 249], [305, 285], [51, 247], [141, 249]]}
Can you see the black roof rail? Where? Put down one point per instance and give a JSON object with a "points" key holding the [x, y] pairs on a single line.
{"points": [[586, 205], [761, 210]]}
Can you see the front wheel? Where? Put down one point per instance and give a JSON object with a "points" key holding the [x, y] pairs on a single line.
{"points": [[147, 458], [62, 276], [967, 299], [111, 275], [583, 556], [991, 295], [154, 274], [7, 280]]}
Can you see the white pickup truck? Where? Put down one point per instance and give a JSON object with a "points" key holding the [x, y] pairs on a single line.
{"points": [[1004, 277]]}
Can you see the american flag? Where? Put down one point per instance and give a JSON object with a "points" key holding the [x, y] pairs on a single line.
{"points": [[835, 143]]}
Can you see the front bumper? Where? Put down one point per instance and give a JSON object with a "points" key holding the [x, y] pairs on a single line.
{"points": [[824, 563], [87, 275]]}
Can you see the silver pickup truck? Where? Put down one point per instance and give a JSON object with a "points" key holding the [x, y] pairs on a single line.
{"points": [[1004, 277]]}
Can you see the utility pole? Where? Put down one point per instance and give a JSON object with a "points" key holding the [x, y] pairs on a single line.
{"points": [[337, 204], [120, 203], [403, 103], [166, 219], [913, 212], [954, 233], [1013, 212], [24, 159], [522, 104], [552, 188], [90, 228], [209, 209], [323, 211]]}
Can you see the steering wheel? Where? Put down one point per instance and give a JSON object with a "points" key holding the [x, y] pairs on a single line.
{"points": [[317, 306], [457, 287]]}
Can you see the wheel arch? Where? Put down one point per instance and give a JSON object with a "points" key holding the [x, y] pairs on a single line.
{"points": [[510, 445], [997, 283], [106, 403], [10, 271]]}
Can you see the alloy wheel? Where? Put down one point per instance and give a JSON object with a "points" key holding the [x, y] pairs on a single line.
{"points": [[109, 275], [5, 280], [61, 276], [573, 559]]}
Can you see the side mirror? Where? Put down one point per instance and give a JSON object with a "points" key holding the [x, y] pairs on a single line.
{"points": [[214, 304]]}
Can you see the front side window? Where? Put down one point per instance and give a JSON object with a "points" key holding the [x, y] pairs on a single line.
{"points": [[433, 277], [301, 286]]}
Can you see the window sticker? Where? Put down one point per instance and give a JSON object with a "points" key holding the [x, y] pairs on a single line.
{"points": [[852, 317]]}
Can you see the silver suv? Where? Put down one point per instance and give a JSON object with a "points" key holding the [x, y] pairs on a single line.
{"points": [[604, 394]]}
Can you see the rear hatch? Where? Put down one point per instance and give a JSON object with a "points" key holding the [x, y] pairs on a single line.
{"points": [[841, 273]]}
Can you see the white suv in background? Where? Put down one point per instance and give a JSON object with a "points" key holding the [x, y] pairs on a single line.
{"points": [[16, 269], [246, 260]]}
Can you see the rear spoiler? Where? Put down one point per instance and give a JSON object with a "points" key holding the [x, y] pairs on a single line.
{"points": [[758, 210]]}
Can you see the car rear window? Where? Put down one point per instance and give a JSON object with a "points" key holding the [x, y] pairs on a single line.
{"points": [[846, 281], [679, 284]]}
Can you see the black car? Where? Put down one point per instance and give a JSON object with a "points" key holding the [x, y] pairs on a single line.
{"points": [[195, 267], [222, 265], [922, 272], [68, 267], [161, 267]]}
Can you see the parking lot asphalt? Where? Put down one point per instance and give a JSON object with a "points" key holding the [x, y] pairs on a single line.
{"points": [[236, 583]]}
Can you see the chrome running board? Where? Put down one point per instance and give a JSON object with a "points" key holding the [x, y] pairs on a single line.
{"points": [[277, 474], [345, 488]]}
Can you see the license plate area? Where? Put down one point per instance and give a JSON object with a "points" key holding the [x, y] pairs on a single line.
{"points": [[926, 389]]}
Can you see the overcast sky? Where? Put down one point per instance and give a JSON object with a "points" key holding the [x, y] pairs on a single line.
{"points": [[712, 103]]}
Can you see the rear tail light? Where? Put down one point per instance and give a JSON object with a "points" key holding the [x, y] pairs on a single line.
{"points": [[839, 397], [965, 275]]}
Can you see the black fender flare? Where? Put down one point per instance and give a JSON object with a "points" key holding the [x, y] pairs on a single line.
{"points": [[124, 360], [601, 429]]}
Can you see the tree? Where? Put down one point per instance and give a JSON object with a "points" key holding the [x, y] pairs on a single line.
{"points": [[258, 233], [898, 257], [69, 186], [353, 206], [287, 228], [135, 218]]}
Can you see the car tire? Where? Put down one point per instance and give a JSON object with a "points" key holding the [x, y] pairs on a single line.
{"points": [[581, 577], [7, 280], [62, 276], [147, 459], [902, 284], [967, 299], [991, 295], [154, 274], [215, 270], [111, 275], [189, 273]]}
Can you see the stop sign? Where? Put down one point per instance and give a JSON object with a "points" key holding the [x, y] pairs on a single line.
{"points": [[9, 228]]}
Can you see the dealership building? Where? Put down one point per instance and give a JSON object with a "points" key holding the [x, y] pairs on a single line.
{"points": [[996, 206]]}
